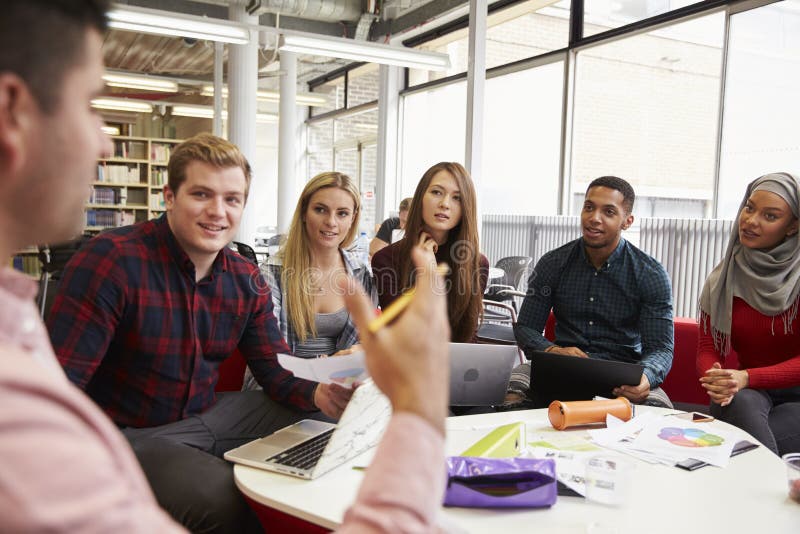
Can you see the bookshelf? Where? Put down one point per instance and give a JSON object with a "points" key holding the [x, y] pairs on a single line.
{"points": [[130, 184], [129, 188]]}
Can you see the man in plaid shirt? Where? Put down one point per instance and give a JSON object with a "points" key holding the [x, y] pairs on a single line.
{"points": [[144, 316]]}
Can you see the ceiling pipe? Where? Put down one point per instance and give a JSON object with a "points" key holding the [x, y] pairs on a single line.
{"points": [[322, 10]]}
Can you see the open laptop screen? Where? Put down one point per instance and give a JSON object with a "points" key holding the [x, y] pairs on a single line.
{"points": [[567, 378]]}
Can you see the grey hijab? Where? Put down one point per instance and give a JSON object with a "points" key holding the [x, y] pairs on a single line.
{"points": [[768, 280]]}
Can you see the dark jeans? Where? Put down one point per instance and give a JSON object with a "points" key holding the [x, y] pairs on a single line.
{"points": [[184, 466], [772, 416]]}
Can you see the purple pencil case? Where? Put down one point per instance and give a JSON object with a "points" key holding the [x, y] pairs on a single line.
{"points": [[500, 482]]}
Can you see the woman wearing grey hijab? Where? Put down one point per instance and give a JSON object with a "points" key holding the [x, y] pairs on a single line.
{"points": [[750, 303]]}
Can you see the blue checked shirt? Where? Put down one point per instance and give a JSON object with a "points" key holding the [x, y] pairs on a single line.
{"points": [[622, 311]]}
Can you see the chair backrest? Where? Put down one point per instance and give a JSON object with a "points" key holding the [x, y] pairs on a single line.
{"points": [[246, 251], [53, 259], [514, 268]]}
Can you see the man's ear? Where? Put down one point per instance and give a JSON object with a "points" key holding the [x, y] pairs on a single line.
{"points": [[17, 106], [169, 197], [628, 221]]}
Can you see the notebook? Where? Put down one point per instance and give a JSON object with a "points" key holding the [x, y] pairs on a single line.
{"points": [[308, 448], [479, 373], [568, 378]]}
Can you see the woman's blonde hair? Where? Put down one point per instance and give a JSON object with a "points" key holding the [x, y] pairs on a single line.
{"points": [[464, 296], [297, 275]]}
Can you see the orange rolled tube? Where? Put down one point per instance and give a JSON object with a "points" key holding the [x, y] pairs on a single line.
{"points": [[573, 413]]}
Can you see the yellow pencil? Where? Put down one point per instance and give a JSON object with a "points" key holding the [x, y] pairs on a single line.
{"points": [[399, 305]]}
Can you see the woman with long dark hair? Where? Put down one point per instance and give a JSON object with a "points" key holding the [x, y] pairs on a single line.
{"points": [[442, 219]]}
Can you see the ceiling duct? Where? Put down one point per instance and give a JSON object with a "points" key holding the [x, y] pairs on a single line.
{"points": [[321, 10]]}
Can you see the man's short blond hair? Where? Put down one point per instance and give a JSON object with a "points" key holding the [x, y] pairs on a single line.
{"points": [[209, 149]]}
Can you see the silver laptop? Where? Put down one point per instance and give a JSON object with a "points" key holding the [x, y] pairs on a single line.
{"points": [[479, 373], [309, 448]]}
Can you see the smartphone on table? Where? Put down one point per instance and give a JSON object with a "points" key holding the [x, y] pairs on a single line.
{"points": [[695, 417]]}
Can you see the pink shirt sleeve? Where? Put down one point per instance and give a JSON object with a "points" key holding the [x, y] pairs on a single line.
{"points": [[66, 467], [404, 485]]}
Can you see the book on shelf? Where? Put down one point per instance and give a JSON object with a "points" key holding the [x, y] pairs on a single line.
{"points": [[130, 149], [27, 263], [158, 177], [122, 174], [159, 153], [109, 218], [113, 196], [157, 200]]}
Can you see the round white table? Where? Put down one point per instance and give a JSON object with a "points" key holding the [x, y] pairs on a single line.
{"points": [[749, 495]]}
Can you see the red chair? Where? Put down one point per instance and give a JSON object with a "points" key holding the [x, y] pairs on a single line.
{"points": [[231, 373], [681, 383]]}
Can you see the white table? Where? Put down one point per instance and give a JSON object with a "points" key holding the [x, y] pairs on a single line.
{"points": [[750, 495]]}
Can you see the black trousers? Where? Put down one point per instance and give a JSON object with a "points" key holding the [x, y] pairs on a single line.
{"points": [[184, 466], [772, 416]]}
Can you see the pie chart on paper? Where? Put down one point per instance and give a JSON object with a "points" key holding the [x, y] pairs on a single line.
{"points": [[690, 437]]}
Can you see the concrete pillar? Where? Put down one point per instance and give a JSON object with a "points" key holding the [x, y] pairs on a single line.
{"points": [[476, 80], [242, 107], [387, 182], [287, 139], [219, 49]]}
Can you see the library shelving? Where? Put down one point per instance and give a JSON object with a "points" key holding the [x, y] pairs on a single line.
{"points": [[129, 188], [130, 184]]}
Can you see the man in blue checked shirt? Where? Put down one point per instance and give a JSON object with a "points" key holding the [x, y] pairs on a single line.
{"points": [[610, 300]]}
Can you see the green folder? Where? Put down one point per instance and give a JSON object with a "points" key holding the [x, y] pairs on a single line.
{"points": [[502, 442]]}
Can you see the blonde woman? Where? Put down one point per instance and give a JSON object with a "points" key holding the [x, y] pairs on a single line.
{"points": [[307, 304]]}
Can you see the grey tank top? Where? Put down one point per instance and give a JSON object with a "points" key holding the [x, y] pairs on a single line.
{"points": [[329, 327]]}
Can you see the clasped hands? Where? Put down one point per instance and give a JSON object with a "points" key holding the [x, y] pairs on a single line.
{"points": [[722, 384]]}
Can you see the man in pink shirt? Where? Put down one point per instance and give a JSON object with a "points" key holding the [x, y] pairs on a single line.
{"points": [[65, 466]]}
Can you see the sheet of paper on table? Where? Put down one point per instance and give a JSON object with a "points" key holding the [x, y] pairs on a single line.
{"points": [[342, 370], [658, 439]]}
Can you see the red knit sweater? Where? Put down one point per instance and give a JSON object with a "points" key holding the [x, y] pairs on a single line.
{"points": [[771, 360]]}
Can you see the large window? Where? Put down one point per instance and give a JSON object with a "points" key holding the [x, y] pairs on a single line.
{"points": [[524, 30], [339, 144], [602, 15], [522, 140], [646, 109], [434, 123], [760, 124], [334, 90], [362, 85]]}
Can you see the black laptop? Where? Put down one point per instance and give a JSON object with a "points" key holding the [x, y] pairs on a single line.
{"points": [[568, 378]]}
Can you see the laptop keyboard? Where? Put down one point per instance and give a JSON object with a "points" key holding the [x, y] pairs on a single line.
{"points": [[304, 455]]}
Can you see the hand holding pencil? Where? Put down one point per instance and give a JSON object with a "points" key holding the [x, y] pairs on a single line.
{"points": [[408, 359]]}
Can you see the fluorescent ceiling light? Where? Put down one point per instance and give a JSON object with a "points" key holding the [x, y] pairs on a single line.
{"points": [[140, 82], [205, 112], [122, 104], [364, 51], [302, 99], [175, 24], [110, 130]]}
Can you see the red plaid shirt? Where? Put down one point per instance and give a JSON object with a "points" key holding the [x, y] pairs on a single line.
{"points": [[134, 330]]}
